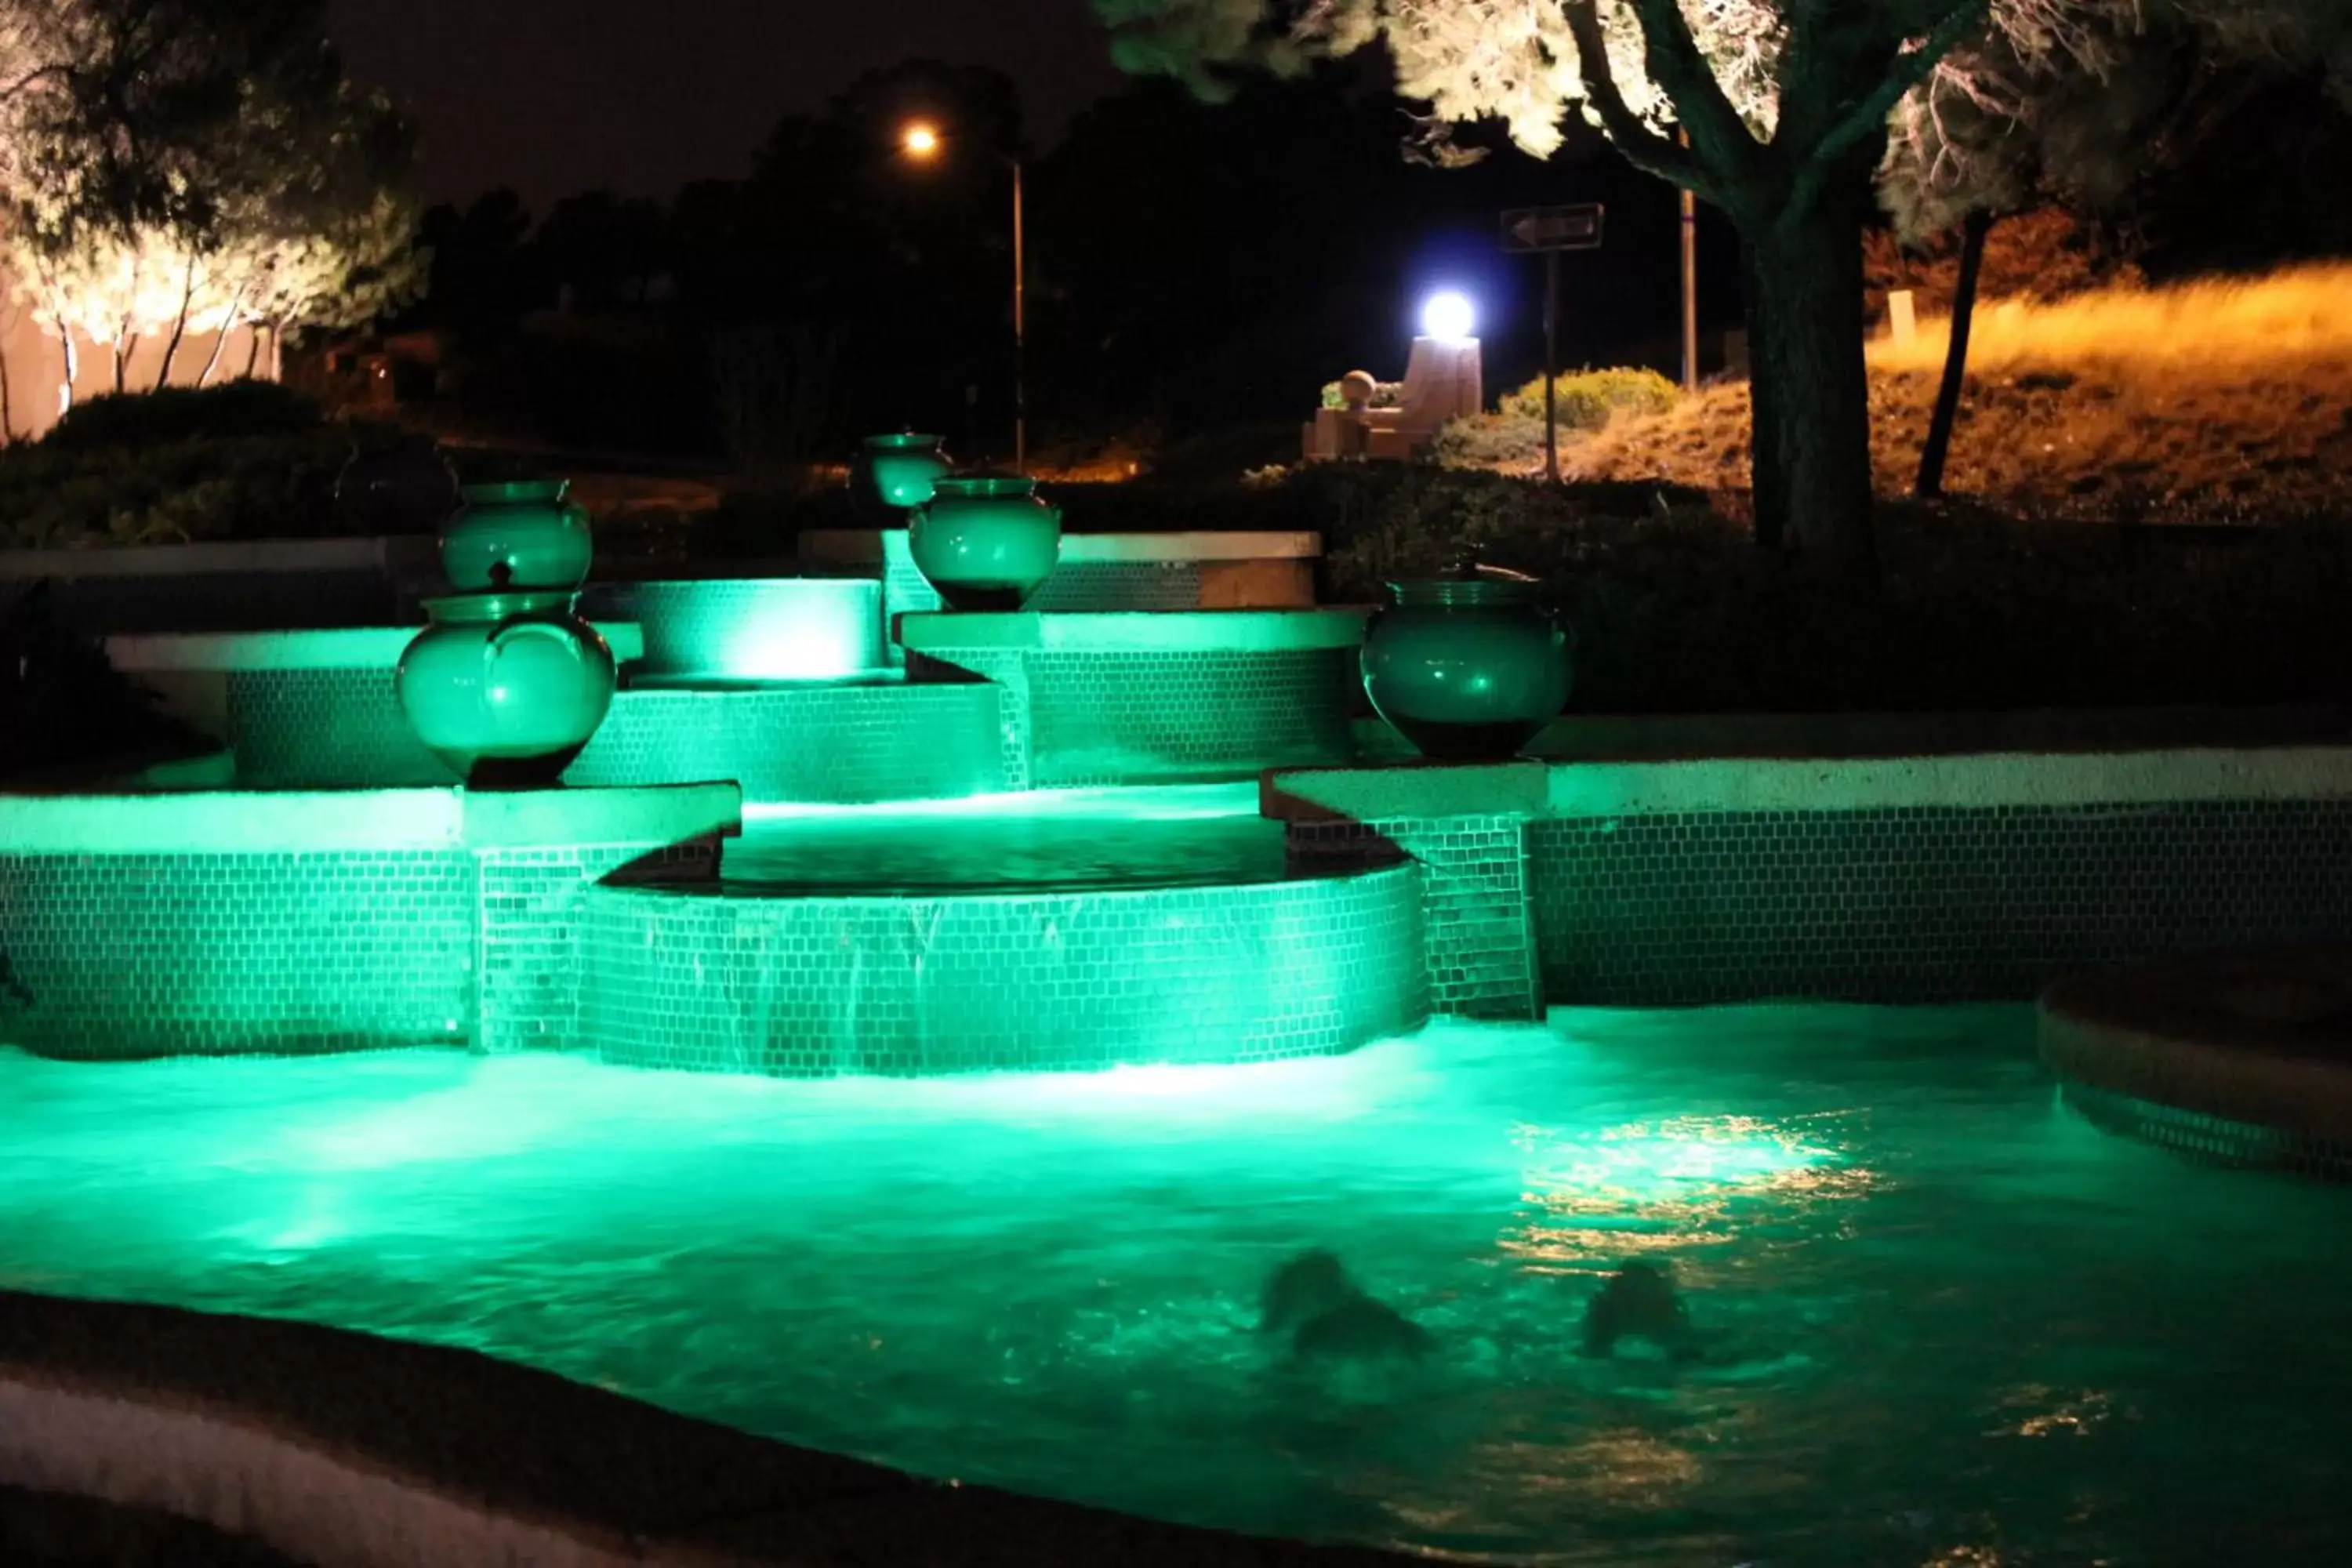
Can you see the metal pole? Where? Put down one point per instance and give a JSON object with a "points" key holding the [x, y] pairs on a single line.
{"points": [[1020, 335], [1690, 285], [1551, 366]]}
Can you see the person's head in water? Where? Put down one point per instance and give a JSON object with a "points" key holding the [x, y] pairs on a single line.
{"points": [[1638, 1302], [1305, 1288], [1331, 1318]]}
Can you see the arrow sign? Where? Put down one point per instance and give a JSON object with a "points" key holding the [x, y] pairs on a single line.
{"points": [[1576, 227]]}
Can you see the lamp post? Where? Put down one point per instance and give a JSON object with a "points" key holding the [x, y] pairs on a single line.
{"points": [[922, 141]]}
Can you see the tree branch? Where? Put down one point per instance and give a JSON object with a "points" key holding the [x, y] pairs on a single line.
{"points": [[29, 78], [1640, 146], [1677, 64], [1868, 118]]}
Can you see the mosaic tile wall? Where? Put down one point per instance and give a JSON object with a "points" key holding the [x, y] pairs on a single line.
{"points": [[137, 956], [323, 729], [1479, 928], [905, 591], [115, 957], [1004, 672], [846, 745], [1085, 718], [1121, 586], [1921, 904], [327, 729], [820, 986], [2210, 1139], [529, 902]]}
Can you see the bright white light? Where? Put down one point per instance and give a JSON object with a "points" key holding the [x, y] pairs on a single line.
{"points": [[1447, 315]]}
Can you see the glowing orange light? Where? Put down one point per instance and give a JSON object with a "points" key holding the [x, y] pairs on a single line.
{"points": [[919, 140]]}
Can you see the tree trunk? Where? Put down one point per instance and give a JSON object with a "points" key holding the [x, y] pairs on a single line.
{"points": [[1956, 357], [179, 326], [1812, 474], [220, 339], [73, 367], [7, 406], [253, 351], [124, 347]]}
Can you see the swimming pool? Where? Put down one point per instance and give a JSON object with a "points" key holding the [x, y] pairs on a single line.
{"points": [[1967, 1328]]}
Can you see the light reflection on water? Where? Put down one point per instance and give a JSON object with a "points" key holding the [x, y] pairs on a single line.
{"points": [[1938, 1291]]}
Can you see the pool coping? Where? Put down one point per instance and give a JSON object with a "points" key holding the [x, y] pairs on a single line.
{"points": [[350, 648], [297, 821], [2260, 1039], [1603, 789], [1133, 631], [342, 1447]]}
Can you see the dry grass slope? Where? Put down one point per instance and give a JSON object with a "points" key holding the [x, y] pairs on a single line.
{"points": [[2222, 401]]}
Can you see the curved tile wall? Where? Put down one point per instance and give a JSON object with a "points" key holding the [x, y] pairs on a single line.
{"points": [[816, 987]]}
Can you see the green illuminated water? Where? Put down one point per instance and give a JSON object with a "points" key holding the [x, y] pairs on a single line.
{"points": [[1160, 837], [1966, 1329]]}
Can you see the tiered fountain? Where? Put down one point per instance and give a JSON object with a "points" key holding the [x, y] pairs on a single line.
{"points": [[1110, 895], [996, 792]]}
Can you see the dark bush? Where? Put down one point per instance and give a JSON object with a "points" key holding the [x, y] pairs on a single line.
{"points": [[235, 410], [62, 703], [1676, 611], [256, 487]]}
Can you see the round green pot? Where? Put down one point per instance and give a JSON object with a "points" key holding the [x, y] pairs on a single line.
{"points": [[896, 472], [520, 536], [1469, 667], [505, 688], [986, 541]]}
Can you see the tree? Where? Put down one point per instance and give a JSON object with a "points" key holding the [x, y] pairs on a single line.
{"points": [[1784, 105], [183, 166], [1995, 130]]}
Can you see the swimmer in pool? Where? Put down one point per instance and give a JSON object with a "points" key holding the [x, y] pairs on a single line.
{"points": [[1329, 1317], [1640, 1309]]}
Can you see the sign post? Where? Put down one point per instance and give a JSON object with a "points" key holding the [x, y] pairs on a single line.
{"points": [[1547, 231]]}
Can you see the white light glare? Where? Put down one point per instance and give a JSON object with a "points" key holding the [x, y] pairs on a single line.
{"points": [[1447, 315]]}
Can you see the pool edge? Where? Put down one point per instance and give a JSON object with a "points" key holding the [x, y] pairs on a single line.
{"points": [[248, 1425]]}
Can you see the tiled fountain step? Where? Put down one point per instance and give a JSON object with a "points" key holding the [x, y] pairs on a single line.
{"points": [[1131, 699], [744, 977], [840, 741]]}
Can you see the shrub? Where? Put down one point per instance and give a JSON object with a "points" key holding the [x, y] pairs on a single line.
{"points": [[1588, 399], [279, 486], [62, 703], [1507, 440], [232, 411], [1676, 611]]}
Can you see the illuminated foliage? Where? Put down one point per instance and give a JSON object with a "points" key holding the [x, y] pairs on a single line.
{"points": [[171, 166]]}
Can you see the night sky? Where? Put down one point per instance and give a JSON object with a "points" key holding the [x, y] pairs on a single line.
{"points": [[556, 96]]}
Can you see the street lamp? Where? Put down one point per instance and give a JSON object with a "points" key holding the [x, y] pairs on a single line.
{"points": [[921, 141]]}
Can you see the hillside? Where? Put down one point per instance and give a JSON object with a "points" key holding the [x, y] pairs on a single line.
{"points": [[2225, 401]]}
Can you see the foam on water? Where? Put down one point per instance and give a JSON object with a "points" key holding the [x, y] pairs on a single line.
{"points": [[1949, 1319]]}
